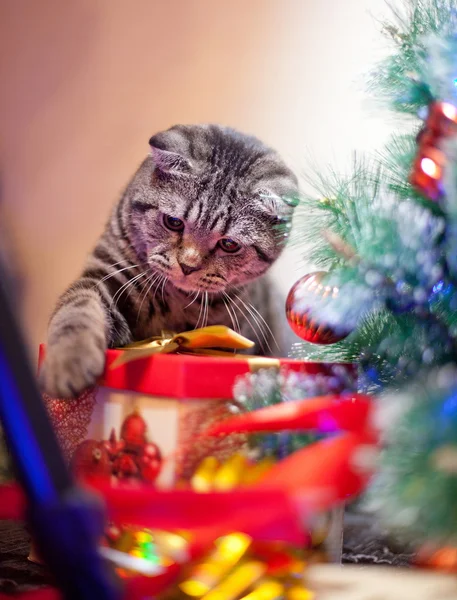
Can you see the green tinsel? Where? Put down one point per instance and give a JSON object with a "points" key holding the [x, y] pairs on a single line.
{"points": [[268, 387]]}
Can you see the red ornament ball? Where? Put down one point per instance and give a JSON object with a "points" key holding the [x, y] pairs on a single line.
{"points": [[91, 459], [150, 462], [151, 451], [149, 469], [302, 298]]}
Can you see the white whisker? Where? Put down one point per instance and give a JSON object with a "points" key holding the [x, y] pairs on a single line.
{"points": [[229, 313], [259, 325], [233, 318], [249, 322], [147, 288], [115, 273], [257, 322], [193, 300], [124, 288], [262, 319], [163, 287], [157, 283], [205, 322], [119, 262], [200, 312]]}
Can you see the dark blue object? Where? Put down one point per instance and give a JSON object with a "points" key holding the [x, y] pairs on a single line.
{"points": [[66, 522]]}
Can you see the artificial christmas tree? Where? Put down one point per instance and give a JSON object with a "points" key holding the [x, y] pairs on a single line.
{"points": [[387, 237]]}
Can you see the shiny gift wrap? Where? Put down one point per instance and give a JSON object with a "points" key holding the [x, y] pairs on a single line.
{"points": [[235, 568]]}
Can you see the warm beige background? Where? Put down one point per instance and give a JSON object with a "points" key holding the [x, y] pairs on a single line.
{"points": [[84, 83]]}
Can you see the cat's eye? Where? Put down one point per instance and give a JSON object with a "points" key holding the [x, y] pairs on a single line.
{"points": [[173, 223], [229, 245]]}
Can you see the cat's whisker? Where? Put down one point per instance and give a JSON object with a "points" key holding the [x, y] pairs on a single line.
{"points": [[200, 312], [128, 284], [125, 287], [229, 312], [124, 260], [262, 319], [246, 313], [235, 316], [261, 325], [204, 309], [114, 273], [158, 282], [193, 299], [147, 288], [163, 287], [252, 326], [205, 322]]}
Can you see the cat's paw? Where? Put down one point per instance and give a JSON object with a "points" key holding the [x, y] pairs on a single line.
{"points": [[71, 365]]}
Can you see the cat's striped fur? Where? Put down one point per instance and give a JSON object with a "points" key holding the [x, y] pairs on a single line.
{"points": [[184, 247]]}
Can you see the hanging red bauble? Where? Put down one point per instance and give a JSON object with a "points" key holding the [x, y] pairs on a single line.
{"points": [[427, 173], [442, 119], [133, 431], [303, 297], [91, 460], [430, 162]]}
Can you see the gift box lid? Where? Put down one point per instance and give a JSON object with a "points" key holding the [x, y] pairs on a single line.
{"points": [[191, 376]]}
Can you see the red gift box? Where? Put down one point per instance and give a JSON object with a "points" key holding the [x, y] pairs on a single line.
{"points": [[178, 395], [190, 376]]}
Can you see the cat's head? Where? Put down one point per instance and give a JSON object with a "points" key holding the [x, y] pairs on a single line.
{"points": [[206, 206]]}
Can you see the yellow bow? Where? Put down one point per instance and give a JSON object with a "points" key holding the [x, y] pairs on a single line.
{"points": [[207, 340]]}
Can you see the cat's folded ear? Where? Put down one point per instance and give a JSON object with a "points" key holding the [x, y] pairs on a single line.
{"points": [[167, 160]]}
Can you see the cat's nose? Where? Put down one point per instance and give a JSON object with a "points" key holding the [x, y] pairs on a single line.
{"points": [[187, 269]]}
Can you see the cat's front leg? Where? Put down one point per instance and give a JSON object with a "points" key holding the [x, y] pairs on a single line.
{"points": [[80, 331]]}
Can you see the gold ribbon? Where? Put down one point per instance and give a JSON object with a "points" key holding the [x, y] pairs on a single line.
{"points": [[207, 341]]}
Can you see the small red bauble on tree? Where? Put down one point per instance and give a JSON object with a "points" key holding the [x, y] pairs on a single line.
{"points": [[303, 297], [430, 161]]}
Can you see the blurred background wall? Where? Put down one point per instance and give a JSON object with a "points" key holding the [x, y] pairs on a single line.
{"points": [[84, 84]]}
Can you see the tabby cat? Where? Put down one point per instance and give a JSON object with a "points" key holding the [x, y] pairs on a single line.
{"points": [[184, 248]]}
